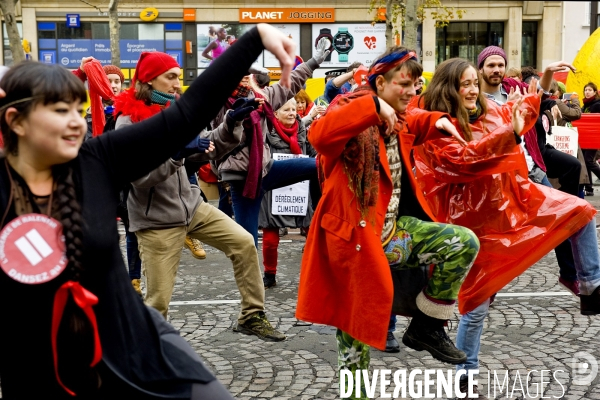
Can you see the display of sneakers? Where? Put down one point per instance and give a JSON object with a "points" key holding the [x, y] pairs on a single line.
{"points": [[571, 286], [136, 286], [259, 325], [590, 304], [434, 340], [195, 247], [269, 280], [391, 344], [464, 388]]}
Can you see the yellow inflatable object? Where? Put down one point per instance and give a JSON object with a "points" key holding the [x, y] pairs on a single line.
{"points": [[586, 66]]}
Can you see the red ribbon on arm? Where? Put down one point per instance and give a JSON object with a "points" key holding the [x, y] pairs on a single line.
{"points": [[84, 300]]}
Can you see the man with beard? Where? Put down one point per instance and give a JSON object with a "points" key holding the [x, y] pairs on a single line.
{"points": [[541, 159]]}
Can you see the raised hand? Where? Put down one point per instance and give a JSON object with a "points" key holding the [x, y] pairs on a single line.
{"points": [[322, 51], [282, 47], [559, 66], [518, 119]]}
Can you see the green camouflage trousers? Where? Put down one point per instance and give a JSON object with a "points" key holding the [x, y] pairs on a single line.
{"points": [[451, 248]]}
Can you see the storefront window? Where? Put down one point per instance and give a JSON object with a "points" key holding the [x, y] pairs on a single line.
{"points": [[467, 39], [529, 44]]}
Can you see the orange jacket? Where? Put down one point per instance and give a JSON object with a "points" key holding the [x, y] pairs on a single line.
{"points": [[345, 280]]}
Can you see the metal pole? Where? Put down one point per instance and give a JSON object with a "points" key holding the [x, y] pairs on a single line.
{"points": [[593, 16]]}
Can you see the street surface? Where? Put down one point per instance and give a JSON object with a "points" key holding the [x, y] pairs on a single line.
{"points": [[534, 324]]}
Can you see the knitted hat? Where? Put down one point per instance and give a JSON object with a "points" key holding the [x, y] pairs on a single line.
{"points": [[152, 64], [111, 69], [490, 51]]}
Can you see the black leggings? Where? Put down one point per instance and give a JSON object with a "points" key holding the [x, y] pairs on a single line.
{"points": [[564, 167], [592, 166]]}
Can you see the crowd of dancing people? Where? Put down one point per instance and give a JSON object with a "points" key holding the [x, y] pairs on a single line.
{"points": [[419, 200]]}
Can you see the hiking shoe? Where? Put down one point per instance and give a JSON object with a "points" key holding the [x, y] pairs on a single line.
{"points": [[571, 286], [435, 341], [259, 325], [590, 304], [195, 247], [464, 388], [269, 280], [391, 344], [136, 286]]}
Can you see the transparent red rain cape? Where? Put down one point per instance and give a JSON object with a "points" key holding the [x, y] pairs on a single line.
{"points": [[484, 186]]}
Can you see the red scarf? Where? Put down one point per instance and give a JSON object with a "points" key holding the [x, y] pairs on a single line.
{"points": [[304, 113], [289, 135], [99, 89], [587, 101], [253, 131]]}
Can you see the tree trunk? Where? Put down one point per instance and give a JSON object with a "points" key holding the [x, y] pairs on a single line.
{"points": [[411, 24], [113, 23], [14, 39], [389, 24]]}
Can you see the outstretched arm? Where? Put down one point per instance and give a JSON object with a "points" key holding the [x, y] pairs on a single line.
{"points": [[137, 149]]}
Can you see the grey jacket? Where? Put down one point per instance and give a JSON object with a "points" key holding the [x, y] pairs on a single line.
{"points": [[235, 166], [164, 198]]}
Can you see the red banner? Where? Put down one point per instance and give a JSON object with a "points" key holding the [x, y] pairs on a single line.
{"points": [[589, 131]]}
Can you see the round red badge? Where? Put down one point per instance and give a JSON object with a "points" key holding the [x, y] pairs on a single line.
{"points": [[32, 249]]}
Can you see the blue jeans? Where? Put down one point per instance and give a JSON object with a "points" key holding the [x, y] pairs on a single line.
{"points": [[282, 173], [392, 324], [134, 262], [587, 263]]}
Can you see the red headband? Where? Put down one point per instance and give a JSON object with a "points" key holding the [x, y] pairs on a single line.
{"points": [[383, 67]]}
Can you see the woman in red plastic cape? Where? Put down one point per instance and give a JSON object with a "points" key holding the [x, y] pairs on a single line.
{"points": [[483, 185]]}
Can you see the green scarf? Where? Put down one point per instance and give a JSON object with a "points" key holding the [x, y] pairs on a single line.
{"points": [[161, 98], [475, 113]]}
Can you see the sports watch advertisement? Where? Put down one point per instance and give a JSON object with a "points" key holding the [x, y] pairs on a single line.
{"points": [[350, 42]]}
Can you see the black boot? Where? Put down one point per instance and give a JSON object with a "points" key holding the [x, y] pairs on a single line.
{"points": [[269, 280], [428, 333], [590, 304], [464, 388]]}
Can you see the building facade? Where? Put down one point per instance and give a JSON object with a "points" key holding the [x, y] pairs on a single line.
{"points": [[62, 32]]}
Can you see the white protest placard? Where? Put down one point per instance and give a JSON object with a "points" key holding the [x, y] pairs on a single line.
{"points": [[564, 139], [292, 199]]}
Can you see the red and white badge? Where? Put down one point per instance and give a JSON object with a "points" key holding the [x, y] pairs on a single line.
{"points": [[32, 249]]}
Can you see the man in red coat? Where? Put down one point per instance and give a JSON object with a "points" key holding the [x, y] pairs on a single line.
{"points": [[370, 219]]}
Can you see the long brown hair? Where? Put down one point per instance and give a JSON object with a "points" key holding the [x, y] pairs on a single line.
{"points": [[443, 93], [27, 85]]}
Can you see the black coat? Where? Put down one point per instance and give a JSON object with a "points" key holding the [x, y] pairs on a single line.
{"points": [[138, 345]]}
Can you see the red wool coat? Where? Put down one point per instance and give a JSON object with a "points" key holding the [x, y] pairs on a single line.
{"points": [[345, 279]]}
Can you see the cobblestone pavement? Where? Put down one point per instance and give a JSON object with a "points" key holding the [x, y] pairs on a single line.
{"points": [[522, 334]]}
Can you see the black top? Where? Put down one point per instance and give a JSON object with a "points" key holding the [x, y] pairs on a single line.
{"points": [[592, 107], [137, 344]]}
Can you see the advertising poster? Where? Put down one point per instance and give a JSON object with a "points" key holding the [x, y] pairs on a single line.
{"points": [[234, 31], [290, 30], [204, 37], [351, 42]]}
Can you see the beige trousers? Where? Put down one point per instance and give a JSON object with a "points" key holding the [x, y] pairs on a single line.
{"points": [[160, 251]]}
